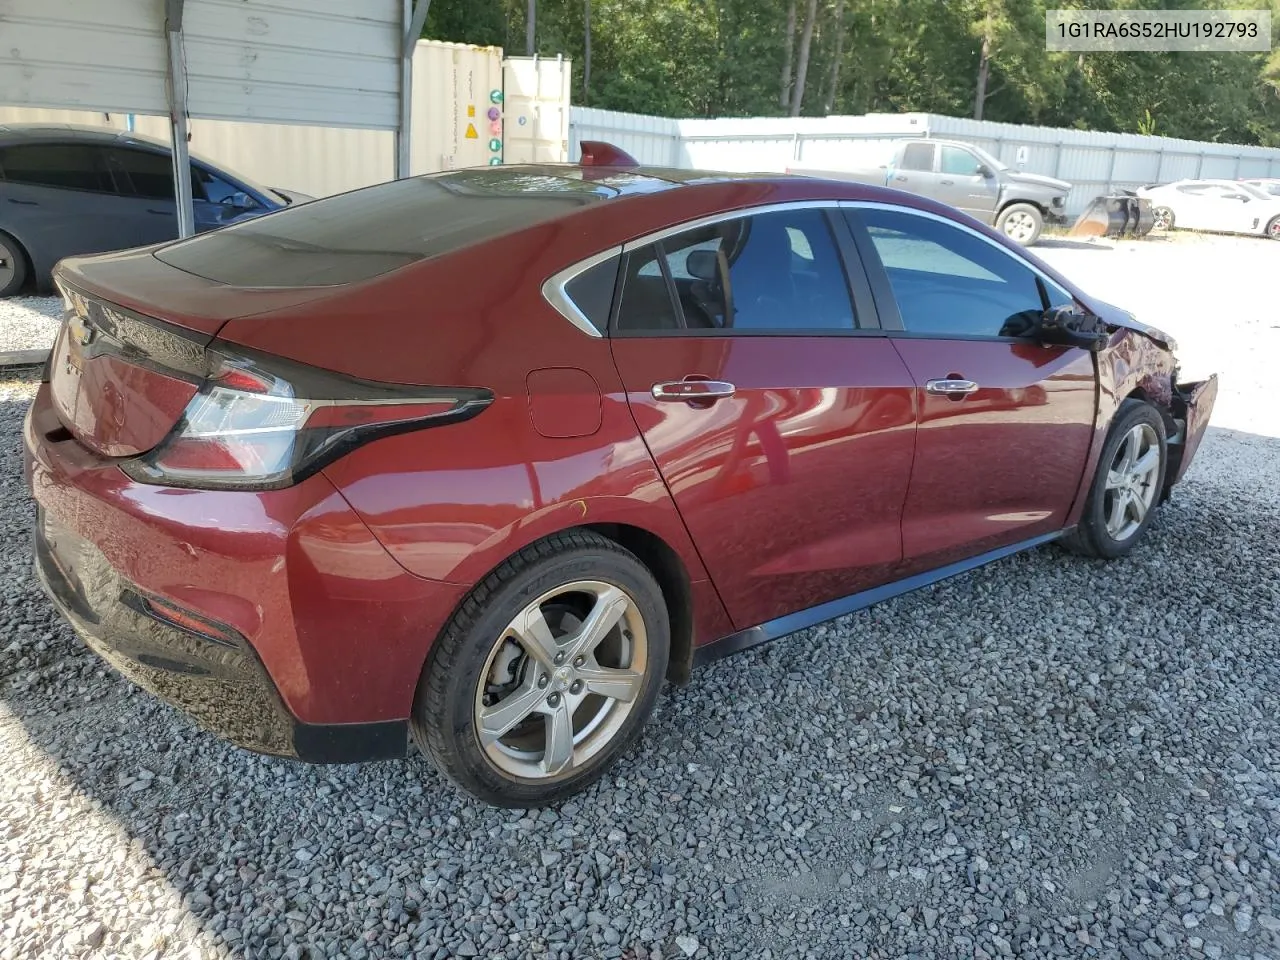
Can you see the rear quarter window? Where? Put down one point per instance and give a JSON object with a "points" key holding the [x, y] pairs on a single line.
{"points": [[360, 235]]}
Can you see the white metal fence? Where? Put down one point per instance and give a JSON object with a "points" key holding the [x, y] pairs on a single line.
{"points": [[1094, 163]]}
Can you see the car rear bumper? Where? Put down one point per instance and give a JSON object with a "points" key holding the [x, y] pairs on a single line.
{"points": [[322, 635], [219, 681]]}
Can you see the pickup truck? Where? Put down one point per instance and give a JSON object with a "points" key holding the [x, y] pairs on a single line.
{"points": [[966, 177]]}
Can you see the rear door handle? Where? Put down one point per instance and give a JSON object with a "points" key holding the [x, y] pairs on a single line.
{"points": [[25, 203], [955, 388], [675, 391], [163, 213], [947, 183]]}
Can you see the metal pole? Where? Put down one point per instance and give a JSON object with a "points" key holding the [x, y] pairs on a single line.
{"points": [[178, 119], [1111, 174], [413, 17]]}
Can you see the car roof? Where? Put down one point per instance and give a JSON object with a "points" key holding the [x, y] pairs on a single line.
{"points": [[13, 133]]}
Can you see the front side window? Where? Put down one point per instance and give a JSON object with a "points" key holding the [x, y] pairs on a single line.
{"points": [[217, 190], [72, 166], [949, 282], [960, 162], [777, 272]]}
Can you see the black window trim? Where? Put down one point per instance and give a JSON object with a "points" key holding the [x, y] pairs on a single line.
{"points": [[861, 300], [887, 304], [102, 160]]}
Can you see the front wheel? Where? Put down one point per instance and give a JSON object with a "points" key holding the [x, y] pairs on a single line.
{"points": [[1273, 229], [1126, 486], [547, 672], [1021, 222]]}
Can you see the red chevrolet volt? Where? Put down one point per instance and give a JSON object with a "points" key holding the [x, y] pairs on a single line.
{"points": [[484, 457]]}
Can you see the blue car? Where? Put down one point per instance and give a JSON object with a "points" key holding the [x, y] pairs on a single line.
{"points": [[67, 190]]}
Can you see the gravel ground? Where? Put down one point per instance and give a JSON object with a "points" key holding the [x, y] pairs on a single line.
{"points": [[28, 323], [1048, 757]]}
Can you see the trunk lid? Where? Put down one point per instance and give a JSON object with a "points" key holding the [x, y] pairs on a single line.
{"points": [[130, 353]]}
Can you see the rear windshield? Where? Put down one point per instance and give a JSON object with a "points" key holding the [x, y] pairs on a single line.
{"points": [[359, 235]]}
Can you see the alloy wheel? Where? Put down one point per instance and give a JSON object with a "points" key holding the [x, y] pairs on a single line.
{"points": [[1020, 226], [561, 680], [7, 268], [1162, 218], [1131, 482]]}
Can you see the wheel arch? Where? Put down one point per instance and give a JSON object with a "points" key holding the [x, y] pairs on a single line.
{"points": [[669, 570], [1044, 210], [661, 559]]}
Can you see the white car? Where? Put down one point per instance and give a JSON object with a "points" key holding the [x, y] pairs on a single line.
{"points": [[1224, 206]]}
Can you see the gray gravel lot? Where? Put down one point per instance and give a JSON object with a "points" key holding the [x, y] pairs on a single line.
{"points": [[28, 323], [1048, 757]]}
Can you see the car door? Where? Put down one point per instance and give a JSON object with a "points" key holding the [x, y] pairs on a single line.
{"points": [[778, 414], [962, 184], [1235, 210], [914, 171], [61, 200], [1004, 422], [1192, 206], [148, 175]]}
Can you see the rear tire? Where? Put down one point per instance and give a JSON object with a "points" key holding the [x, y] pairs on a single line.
{"points": [[1273, 229], [1162, 219], [13, 266], [1021, 222], [1126, 486], [547, 672]]}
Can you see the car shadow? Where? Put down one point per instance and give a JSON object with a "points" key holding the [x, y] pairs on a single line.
{"points": [[1066, 243], [234, 854]]}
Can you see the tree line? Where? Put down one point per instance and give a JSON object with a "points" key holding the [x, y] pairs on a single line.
{"points": [[976, 58]]}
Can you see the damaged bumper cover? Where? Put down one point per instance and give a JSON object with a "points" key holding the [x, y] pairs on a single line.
{"points": [[1192, 407]]}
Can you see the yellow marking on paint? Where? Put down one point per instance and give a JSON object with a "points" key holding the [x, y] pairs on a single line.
{"points": [[471, 132]]}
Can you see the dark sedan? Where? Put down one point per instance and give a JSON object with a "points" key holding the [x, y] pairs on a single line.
{"points": [[68, 190]]}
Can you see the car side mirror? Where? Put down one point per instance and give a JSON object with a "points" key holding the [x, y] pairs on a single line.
{"points": [[985, 171], [1070, 327]]}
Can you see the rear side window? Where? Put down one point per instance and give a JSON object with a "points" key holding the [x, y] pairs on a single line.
{"points": [[591, 292], [917, 156], [150, 174], [359, 235], [777, 272], [72, 166]]}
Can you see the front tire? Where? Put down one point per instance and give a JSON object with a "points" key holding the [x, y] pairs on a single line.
{"points": [[547, 672], [1021, 222], [1273, 229], [1126, 486]]}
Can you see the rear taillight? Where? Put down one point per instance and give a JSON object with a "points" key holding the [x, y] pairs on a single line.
{"points": [[263, 423]]}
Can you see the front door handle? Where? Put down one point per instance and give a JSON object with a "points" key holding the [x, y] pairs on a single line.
{"points": [[947, 183], [163, 213], [24, 203], [692, 391], [953, 387]]}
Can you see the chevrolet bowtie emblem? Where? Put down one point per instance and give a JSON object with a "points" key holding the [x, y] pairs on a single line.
{"points": [[80, 331]]}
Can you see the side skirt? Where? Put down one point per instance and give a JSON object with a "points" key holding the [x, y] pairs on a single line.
{"points": [[792, 622]]}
